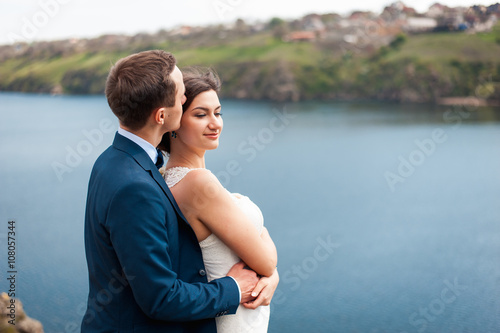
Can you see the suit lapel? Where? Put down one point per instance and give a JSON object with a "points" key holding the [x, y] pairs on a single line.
{"points": [[122, 143], [161, 182]]}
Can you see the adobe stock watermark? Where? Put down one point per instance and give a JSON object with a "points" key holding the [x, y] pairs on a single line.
{"points": [[416, 158], [248, 148], [30, 26], [253, 144], [428, 314], [297, 273], [427, 147], [116, 284], [75, 155], [223, 7], [293, 277], [486, 87]]}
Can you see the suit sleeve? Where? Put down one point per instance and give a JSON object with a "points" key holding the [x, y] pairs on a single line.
{"points": [[137, 228]]}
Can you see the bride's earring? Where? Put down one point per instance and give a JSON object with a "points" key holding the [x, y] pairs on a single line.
{"points": [[173, 134]]}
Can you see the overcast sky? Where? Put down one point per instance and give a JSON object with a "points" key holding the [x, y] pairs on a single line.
{"points": [[31, 20]]}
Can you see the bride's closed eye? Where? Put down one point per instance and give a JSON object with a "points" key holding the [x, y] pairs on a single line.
{"points": [[201, 115]]}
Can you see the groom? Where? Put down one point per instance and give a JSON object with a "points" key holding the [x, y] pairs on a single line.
{"points": [[146, 272]]}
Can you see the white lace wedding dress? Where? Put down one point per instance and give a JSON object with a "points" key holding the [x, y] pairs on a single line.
{"points": [[218, 259]]}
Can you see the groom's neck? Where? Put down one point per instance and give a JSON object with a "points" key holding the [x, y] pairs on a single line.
{"points": [[148, 133]]}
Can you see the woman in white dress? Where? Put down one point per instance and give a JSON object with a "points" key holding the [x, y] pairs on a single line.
{"points": [[229, 226]]}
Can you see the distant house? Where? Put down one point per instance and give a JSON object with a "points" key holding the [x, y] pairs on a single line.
{"points": [[397, 11], [361, 15], [486, 26], [420, 24], [436, 10], [301, 36], [453, 17], [313, 22], [184, 30]]}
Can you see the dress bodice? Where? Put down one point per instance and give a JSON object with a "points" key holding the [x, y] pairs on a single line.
{"points": [[174, 175], [218, 259]]}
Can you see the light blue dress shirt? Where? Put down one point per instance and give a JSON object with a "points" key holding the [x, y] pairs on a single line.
{"points": [[148, 147]]}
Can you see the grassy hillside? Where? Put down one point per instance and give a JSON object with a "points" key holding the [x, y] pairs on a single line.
{"points": [[418, 68], [445, 47]]}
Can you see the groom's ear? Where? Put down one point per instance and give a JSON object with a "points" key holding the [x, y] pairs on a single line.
{"points": [[159, 116]]}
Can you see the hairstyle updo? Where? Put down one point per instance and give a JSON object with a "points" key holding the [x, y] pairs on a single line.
{"points": [[196, 80]]}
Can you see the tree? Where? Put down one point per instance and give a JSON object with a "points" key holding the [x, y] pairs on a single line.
{"points": [[278, 27]]}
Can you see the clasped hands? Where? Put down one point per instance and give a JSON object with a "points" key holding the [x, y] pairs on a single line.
{"points": [[255, 290]]}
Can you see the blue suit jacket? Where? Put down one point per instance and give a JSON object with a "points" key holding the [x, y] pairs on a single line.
{"points": [[146, 272]]}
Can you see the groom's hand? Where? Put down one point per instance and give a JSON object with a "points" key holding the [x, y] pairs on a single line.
{"points": [[246, 279], [264, 291]]}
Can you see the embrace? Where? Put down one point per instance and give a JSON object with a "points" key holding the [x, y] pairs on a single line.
{"points": [[171, 251]]}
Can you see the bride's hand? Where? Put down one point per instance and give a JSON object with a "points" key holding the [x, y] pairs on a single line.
{"points": [[264, 291]]}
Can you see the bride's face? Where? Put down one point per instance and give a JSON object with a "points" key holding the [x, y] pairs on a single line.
{"points": [[201, 123]]}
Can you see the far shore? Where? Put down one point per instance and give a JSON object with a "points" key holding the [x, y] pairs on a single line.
{"points": [[467, 100]]}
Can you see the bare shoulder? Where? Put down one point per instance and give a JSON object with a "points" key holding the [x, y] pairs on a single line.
{"points": [[198, 184], [201, 175], [200, 178]]}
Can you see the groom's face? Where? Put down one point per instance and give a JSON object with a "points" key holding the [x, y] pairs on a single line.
{"points": [[174, 113]]}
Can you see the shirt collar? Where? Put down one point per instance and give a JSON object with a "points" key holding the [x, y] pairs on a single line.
{"points": [[148, 147]]}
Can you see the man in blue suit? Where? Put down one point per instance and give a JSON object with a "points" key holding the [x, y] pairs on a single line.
{"points": [[146, 272]]}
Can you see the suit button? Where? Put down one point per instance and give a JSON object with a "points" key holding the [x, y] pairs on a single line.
{"points": [[222, 313], [202, 272]]}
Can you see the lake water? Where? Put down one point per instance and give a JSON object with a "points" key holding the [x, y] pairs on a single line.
{"points": [[386, 217]]}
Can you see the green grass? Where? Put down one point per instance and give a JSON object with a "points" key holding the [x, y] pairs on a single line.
{"points": [[439, 47], [492, 36], [257, 48], [54, 69], [457, 59]]}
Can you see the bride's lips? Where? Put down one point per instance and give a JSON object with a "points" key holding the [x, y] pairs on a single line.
{"points": [[212, 135]]}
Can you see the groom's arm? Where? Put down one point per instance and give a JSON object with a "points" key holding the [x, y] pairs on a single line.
{"points": [[137, 230]]}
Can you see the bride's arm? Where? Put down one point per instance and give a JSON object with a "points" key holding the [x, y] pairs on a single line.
{"points": [[264, 290], [267, 238], [207, 200]]}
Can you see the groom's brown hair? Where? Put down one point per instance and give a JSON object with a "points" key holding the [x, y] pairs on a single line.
{"points": [[139, 84]]}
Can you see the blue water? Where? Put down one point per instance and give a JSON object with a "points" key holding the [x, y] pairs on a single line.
{"points": [[385, 216]]}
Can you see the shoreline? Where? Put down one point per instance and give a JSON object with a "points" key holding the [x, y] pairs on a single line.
{"points": [[467, 100], [443, 101]]}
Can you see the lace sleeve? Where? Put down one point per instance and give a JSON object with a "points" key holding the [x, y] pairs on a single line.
{"points": [[174, 175]]}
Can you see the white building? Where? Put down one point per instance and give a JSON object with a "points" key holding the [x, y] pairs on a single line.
{"points": [[418, 24]]}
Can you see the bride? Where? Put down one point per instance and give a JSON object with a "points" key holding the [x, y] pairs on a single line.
{"points": [[229, 226]]}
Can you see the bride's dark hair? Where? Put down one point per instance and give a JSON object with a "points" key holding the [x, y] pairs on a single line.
{"points": [[196, 81]]}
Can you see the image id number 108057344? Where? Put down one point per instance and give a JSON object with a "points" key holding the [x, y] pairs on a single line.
{"points": [[11, 270]]}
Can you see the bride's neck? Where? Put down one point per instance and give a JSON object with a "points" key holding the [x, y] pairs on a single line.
{"points": [[186, 158]]}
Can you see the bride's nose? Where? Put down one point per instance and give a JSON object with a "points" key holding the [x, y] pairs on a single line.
{"points": [[215, 123]]}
